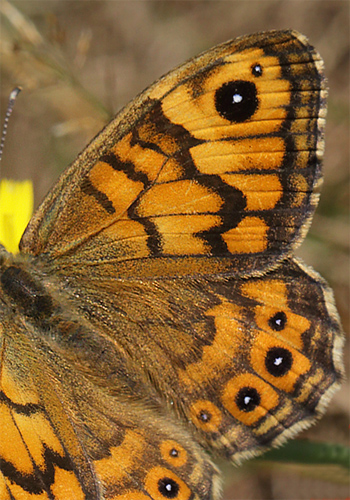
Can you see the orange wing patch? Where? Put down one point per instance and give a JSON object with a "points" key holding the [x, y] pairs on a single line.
{"points": [[221, 164]]}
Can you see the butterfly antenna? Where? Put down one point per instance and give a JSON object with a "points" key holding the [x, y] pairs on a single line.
{"points": [[10, 105]]}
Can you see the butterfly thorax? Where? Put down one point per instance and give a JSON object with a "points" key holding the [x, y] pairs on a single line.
{"points": [[25, 292], [34, 300]]}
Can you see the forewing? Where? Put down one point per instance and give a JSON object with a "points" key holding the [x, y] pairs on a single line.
{"points": [[211, 170]]}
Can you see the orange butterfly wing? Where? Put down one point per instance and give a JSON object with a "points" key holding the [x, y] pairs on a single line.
{"points": [[188, 175], [133, 314]]}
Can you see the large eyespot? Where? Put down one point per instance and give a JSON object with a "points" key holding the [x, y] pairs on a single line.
{"points": [[278, 321], [247, 399], [278, 361], [236, 101], [257, 70], [162, 483], [168, 487]]}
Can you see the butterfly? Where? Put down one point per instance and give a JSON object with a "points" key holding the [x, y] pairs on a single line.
{"points": [[156, 311]]}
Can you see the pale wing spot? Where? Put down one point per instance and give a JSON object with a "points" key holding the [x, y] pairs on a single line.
{"points": [[66, 486], [250, 236], [218, 355], [181, 197], [262, 192], [222, 157]]}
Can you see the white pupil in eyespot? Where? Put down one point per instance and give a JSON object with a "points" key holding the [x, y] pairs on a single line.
{"points": [[247, 400], [237, 98], [278, 361]]}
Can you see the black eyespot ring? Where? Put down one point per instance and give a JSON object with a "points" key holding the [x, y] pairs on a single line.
{"points": [[278, 361], [278, 321], [247, 399], [237, 101], [168, 487], [257, 69]]}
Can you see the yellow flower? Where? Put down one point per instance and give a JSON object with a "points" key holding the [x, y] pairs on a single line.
{"points": [[16, 207]]}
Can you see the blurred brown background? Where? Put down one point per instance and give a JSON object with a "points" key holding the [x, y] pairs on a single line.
{"points": [[80, 61]]}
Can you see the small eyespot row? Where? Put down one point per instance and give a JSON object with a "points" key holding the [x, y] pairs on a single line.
{"points": [[278, 321], [247, 396], [161, 483]]}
